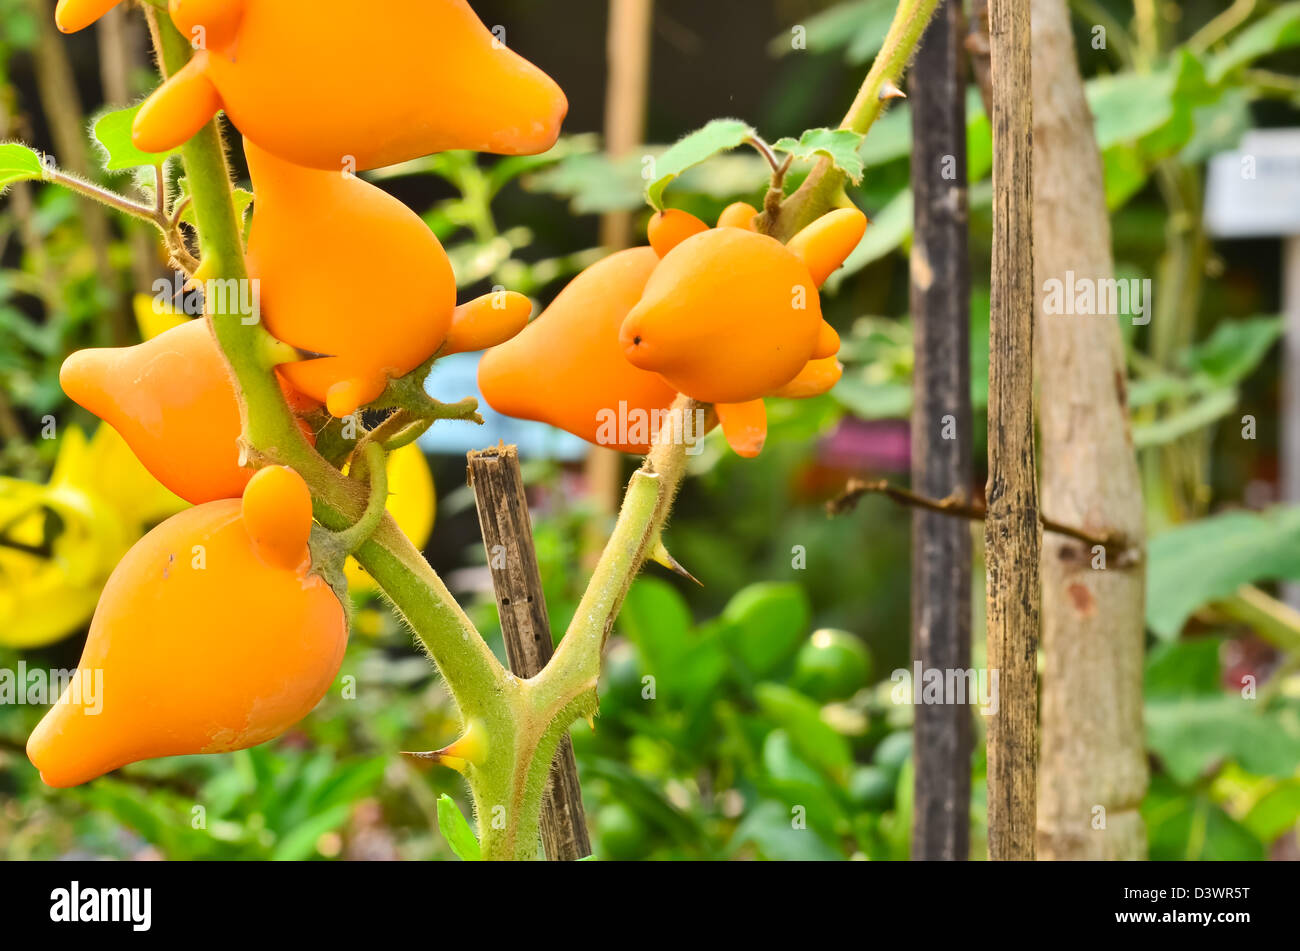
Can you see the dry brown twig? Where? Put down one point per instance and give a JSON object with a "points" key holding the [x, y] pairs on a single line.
{"points": [[855, 489]]}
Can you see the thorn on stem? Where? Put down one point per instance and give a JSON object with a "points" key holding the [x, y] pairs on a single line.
{"points": [[660, 555], [889, 90], [311, 354]]}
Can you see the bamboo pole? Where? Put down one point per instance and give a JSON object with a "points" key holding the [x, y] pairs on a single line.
{"points": [[1011, 531], [941, 433]]}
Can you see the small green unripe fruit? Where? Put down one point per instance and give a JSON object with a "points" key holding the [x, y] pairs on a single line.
{"points": [[832, 665], [623, 835]]}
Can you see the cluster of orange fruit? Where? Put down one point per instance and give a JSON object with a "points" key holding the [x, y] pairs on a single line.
{"points": [[215, 632], [724, 315]]}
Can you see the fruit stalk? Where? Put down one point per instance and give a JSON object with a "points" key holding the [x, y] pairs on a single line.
{"points": [[823, 189]]}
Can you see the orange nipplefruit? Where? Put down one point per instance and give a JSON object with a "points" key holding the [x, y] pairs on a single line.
{"points": [[567, 368], [211, 635], [73, 15], [728, 316], [731, 316], [172, 398], [352, 84], [348, 271]]}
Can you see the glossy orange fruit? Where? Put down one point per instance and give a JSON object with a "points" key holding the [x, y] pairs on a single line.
{"points": [[173, 400], [347, 270], [731, 316], [567, 368], [211, 635], [73, 15], [728, 316], [353, 84]]}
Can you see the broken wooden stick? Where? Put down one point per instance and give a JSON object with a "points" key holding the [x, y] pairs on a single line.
{"points": [[508, 537]]}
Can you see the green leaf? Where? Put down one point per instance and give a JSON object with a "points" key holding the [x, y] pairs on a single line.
{"points": [[877, 17], [1125, 173], [1275, 812], [868, 399], [113, 133], [768, 827], [687, 664], [792, 780], [858, 26], [720, 135], [1219, 126], [1151, 390], [769, 621], [1188, 828], [1210, 408], [814, 738], [348, 782], [655, 618], [1278, 31], [455, 829], [839, 145], [1193, 735], [1189, 668], [1151, 110], [18, 163], [979, 138], [1207, 560], [594, 183], [300, 841], [1190, 92], [1235, 349], [1129, 105]]}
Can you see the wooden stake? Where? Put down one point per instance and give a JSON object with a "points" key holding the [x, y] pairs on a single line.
{"points": [[508, 537], [941, 433], [1012, 536], [1093, 762]]}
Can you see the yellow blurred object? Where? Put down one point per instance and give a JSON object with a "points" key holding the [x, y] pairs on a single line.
{"points": [[58, 544], [411, 502], [121, 480], [153, 318]]}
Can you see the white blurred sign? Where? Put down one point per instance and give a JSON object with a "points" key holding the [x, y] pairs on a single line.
{"points": [[1254, 192]]}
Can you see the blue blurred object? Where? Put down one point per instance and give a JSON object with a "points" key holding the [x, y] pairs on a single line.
{"points": [[456, 377]]}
